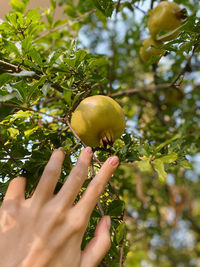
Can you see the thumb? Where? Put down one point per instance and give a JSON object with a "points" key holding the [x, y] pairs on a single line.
{"points": [[100, 244]]}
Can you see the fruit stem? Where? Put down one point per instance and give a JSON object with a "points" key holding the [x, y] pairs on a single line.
{"points": [[106, 138], [181, 14]]}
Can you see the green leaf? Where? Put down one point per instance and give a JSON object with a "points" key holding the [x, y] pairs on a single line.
{"points": [[127, 138], [36, 57], [3, 186], [13, 132], [67, 144], [53, 57], [105, 6], [158, 166], [11, 47], [80, 55], [27, 45], [192, 24], [67, 96], [25, 91], [77, 96], [5, 78], [169, 158], [21, 114], [186, 46], [32, 64], [28, 132], [120, 232], [185, 164], [18, 5], [144, 166], [70, 11], [53, 3], [49, 15], [8, 97], [23, 73], [115, 208]]}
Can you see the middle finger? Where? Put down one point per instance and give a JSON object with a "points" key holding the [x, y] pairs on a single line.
{"points": [[96, 187], [76, 178]]}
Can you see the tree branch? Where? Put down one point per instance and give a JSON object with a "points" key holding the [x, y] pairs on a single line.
{"points": [[139, 90], [7, 66]]}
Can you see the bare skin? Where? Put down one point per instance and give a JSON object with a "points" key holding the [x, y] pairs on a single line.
{"points": [[47, 229]]}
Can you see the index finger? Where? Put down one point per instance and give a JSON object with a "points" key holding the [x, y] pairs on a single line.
{"points": [[97, 186]]}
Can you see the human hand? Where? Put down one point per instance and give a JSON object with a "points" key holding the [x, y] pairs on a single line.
{"points": [[47, 229]]}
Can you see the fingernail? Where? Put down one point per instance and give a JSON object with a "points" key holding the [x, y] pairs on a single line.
{"points": [[61, 149], [88, 150], [108, 222], [114, 161]]}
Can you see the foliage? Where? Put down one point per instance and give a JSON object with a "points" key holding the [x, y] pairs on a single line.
{"points": [[48, 66]]}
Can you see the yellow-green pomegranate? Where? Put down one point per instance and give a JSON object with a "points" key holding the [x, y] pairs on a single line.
{"points": [[147, 50], [98, 120], [164, 18]]}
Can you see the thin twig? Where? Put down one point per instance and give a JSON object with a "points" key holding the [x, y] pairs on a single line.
{"points": [[63, 130], [144, 12], [151, 5], [100, 208], [74, 133], [74, 147], [114, 189], [117, 6]]}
